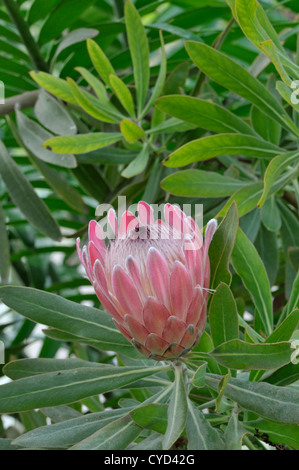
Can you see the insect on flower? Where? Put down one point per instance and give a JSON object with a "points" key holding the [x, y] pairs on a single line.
{"points": [[153, 278]]}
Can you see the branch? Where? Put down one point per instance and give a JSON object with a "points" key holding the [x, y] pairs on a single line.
{"points": [[24, 100], [24, 31]]}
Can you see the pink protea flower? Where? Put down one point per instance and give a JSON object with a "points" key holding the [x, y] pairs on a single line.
{"points": [[153, 278]]}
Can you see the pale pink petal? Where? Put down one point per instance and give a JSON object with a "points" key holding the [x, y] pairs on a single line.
{"points": [[155, 315], [100, 276], [174, 330], [192, 258], [106, 302], [158, 274], [137, 330], [196, 233], [86, 263], [133, 270], [126, 292], [155, 344], [112, 220], [181, 290], [145, 213], [128, 222], [123, 330], [195, 307], [210, 230], [94, 253], [95, 234], [201, 324], [79, 249]]}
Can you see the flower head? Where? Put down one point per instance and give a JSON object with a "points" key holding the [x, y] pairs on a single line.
{"points": [[153, 278]]}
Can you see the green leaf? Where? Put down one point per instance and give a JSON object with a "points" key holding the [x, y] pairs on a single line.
{"points": [[100, 61], [270, 215], [233, 76], [271, 402], [200, 183], [199, 377], [203, 113], [221, 144], [277, 433], [138, 165], [294, 298], [82, 143], [74, 37], [270, 50], [234, 433], [151, 416], [223, 316], [266, 245], [67, 433], [177, 410], [52, 310], [123, 94], [54, 85], [52, 389], [23, 195], [114, 436], [250, 268], [245, 198], [221, 248], [5, 249], [96, 84], [201, 435], [33, 137], [274, 170], [131, 131], [237, 354], [158, 88], [53, 115], [265, 126], [92, 181], [100, 110], [139, 51]]}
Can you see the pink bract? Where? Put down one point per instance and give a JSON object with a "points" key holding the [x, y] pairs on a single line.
{"points": [[153, 278]]}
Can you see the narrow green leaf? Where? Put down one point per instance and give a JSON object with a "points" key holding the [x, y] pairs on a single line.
{"points": [[100, 61], [54, 85], [138, 165], [177, 411], [287, 93], [199, 377], [237, 354], [96, 84], [223, 316], [52, 310], [23, 195], [200, 183], [53, 115], [221, 247], [271, 402], [221, 144], [233, 76], [123, 94], [139, 50], [203, 113], [68, 432], [245, 198], [33, 137], [68, 386], [201, 435], [250, 268], [82, 142], [5, 249], [270, 215], [234, 433], [274, 170]]}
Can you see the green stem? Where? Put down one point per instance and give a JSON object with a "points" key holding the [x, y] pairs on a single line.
{"points": [[24, 31]]}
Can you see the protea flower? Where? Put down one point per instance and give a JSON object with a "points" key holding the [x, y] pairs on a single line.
{"points": [[153, 278]]}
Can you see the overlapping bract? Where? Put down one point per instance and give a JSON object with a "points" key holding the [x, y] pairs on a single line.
{"points": [[153, 278]]}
